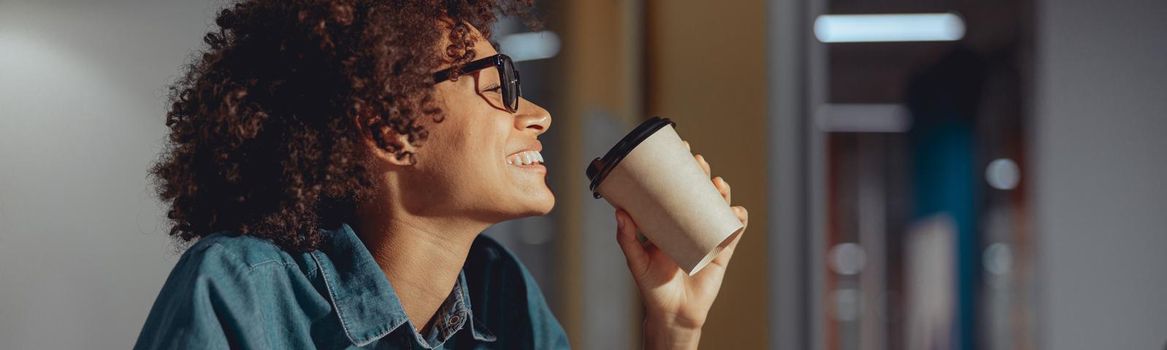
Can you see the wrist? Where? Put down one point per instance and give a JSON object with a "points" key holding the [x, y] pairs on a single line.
{"points": [[666, 333]]}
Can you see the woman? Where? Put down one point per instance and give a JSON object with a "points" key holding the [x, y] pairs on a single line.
{"points": [[296, 164]]}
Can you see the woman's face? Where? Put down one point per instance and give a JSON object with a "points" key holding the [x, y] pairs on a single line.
{"points": [[470, 158]]}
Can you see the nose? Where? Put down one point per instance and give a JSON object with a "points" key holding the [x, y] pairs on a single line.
{"points": [[532, 116]]}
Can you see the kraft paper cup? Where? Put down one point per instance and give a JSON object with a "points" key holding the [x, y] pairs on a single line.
{"points": [[653, 176]]}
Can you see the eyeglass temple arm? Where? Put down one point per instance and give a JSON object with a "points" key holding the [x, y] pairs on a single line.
{"points": [[483, 63]]}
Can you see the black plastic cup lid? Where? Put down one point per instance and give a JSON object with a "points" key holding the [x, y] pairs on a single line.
{"points": [[600, 167]]}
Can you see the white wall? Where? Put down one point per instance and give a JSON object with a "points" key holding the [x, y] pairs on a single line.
{"points": [[1101, 184], [82, 87]]}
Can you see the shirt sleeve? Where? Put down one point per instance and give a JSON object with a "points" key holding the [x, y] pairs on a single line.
{"points": [[207, 302]]}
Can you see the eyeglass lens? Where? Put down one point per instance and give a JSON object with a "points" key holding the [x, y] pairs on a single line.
{"points": [[512, 91]]}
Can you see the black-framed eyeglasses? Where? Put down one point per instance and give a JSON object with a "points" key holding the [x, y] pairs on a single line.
{"points": [[507, 75]]}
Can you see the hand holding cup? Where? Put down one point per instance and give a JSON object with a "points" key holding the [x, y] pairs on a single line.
{"points": [[676, 304], [657, 185]]}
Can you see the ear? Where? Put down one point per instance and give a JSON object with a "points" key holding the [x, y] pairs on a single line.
{"points": [[385, 145]]}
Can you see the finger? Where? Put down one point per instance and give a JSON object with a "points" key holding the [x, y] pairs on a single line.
{"points": [[726, 254], [634, 251], [704, 164], [687, 148], [724, 189]]}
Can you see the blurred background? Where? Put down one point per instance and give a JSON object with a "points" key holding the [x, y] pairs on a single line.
{"points": [[921, 174]]}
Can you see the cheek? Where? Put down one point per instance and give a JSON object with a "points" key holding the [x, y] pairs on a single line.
{"points": [[481, 153], [460, 153]]}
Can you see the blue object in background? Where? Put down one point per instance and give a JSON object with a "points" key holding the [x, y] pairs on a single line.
{"points": [[944, 101]]}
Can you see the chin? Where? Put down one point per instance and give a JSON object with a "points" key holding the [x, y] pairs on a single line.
{"points": [[518, 207], [543, 207], [538, 206], [546, 209]]}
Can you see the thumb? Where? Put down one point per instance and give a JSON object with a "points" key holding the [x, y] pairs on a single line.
{"points": [[634, 252]]}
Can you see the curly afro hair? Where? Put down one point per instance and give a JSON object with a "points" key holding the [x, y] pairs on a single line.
{"points": [[267, 123]]}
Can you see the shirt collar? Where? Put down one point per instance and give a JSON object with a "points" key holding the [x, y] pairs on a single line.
{"points": [[364, 299]]}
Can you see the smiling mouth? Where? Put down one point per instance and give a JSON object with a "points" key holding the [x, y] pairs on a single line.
{"points": [[525, 158]]}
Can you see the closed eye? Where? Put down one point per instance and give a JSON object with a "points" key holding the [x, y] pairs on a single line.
{"points": [[493, 88]]}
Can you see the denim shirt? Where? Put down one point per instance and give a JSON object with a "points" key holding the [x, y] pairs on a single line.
{"points": [[242, 292]]}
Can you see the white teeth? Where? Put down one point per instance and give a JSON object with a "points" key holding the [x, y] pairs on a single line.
{"points": [[525, 158]]}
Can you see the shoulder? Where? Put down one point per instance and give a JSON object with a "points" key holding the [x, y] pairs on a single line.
{"points": [[231, 273], [232, 254], [222, 291]]}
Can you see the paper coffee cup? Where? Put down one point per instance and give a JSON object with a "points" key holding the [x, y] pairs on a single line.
{"points": [[653, 176]]}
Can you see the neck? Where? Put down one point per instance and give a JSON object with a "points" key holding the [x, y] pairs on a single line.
{"points": [[421, 256]]}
